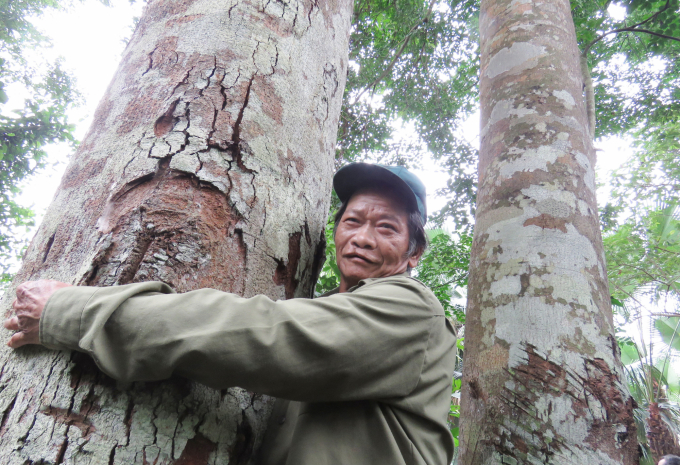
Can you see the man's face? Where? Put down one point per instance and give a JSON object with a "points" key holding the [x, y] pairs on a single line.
{"points": [[371, 240]]}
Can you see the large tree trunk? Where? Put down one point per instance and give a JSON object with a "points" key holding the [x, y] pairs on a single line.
{"points": [[208, 164], [543, 383]]}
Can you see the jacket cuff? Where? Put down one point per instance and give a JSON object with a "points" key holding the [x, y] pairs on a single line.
{"points": [[60, 320]]}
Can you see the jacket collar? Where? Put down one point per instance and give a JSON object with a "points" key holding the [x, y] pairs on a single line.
{"points": [[405, 274]]}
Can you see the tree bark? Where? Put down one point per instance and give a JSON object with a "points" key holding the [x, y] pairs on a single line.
{"points": [[661, 439], [542, 382], [208, 164]]}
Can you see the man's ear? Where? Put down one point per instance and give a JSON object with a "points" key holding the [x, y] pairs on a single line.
{"points": [[413, 259]]}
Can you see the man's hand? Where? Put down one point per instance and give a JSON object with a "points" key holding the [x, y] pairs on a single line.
{"points": [[28, 306]]}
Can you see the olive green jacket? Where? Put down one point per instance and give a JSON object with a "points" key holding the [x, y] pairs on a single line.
{"points": [[369, 370]]}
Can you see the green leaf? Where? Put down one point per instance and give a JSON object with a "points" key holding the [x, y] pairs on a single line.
{"points": [[456, 385], [629, 351], [669, 330], [672, 375]]}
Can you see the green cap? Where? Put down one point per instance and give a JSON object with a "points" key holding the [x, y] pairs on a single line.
{"points": [[355, 176]]}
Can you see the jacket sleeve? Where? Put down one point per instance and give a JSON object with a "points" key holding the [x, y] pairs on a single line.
{"points": [[367, 344]]}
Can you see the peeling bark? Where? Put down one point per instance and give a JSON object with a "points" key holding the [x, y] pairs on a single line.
{"points": [[542, 383], [208, 164]]}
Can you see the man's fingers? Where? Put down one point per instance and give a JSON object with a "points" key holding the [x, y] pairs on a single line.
{"points": [[32, 296], [18, 340], [23, 288], [12, 324], [20, 304], [20, 290]]}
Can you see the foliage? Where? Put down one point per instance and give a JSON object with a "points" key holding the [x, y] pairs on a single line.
{"points": [[444, 268], [456, 387], [654, 383], [633, 59], [643, 256], [414, 63], [42, 120], [329, 278], [668, 330], [652, 175]]}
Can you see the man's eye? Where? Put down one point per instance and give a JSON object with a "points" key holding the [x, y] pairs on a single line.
{"points": [[388, 226]]}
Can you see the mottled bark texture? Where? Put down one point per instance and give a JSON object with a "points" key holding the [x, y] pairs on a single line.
{"points": [[208, 164], [542, 383]]}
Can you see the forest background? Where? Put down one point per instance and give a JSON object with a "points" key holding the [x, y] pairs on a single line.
{"points": [[411, 99]]}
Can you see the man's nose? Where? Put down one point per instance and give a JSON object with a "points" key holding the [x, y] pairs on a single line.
{"points": [[364, 237]]}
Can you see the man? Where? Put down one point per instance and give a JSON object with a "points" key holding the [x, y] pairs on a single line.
{"points": [[364, 372]]}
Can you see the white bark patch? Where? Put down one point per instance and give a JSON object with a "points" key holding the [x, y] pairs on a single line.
{"points": [[528, 320], [584, 209], [589, 178], [554, 208], [507, 285], [483, 222], [566, 98], [560, 415], [571, 251], [517, 58], [523, 27], [551, 199], [505, 109], [568, 121], [534, 159]]}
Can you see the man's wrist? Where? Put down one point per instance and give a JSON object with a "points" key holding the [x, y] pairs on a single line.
{"points": [[60, 321]]}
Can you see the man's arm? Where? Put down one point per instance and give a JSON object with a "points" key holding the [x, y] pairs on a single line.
{"points": [[366, 344]]}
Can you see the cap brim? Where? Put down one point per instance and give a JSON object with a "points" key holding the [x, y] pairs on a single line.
{"points": [[356, 176]]}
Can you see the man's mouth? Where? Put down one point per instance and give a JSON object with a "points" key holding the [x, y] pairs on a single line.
{"points": [[360, 258]]}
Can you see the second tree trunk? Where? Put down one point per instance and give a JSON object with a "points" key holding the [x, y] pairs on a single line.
{"points": [[542, 382]]}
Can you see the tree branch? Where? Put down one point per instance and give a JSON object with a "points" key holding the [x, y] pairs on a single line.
{"points": [[625, 29], [643, 271], [587, 79], [646, 31], [445, 284], [664, 250]]}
